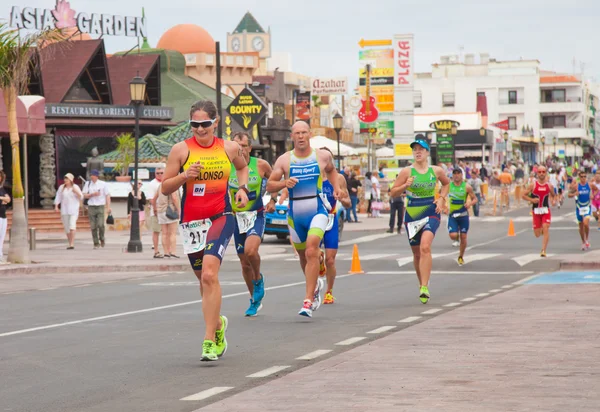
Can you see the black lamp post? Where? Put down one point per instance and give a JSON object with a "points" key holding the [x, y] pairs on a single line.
{"points": [[137, 90], [543, 140], [554, 141], [338, 123], [505, 135]]}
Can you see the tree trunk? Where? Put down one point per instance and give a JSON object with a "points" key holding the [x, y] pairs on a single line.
{"points": [[18, 251]]}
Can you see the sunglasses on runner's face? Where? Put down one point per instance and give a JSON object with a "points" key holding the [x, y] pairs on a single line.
{"points": [[202, 123]]}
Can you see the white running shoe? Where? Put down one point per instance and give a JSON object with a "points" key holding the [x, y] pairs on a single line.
{"points": [[316, 303], [456, 243]]}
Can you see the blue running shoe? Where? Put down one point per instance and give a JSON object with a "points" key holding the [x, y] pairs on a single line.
{"points": [[253, 308], [259, 289]]}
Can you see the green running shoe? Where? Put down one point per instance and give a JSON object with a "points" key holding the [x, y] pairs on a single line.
{"points": [[220, 340], [424, 294], [209, 351]]}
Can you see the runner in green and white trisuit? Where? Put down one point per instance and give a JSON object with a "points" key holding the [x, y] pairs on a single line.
{"points": [[422, 217], [458, 211]]}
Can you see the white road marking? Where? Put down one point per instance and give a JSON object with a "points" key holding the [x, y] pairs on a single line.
{"points": [[480, 256], [315, 354], [115, 281], [14, 292], [495, 290], [564, 228], [365, 239], [190, 283], [453, 304], [507, 286], [83, 286], [468, 299], [381, 329], [52, 288], [528, 258], [351, 341], [267, 372], [449, 272], [524, 280], [492, 219], [207, 393], [374, 256], [480, 295], [409, 319], [431, 311], [403, 261], [277, 256]]}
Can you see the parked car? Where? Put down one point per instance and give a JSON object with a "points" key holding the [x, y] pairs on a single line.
{"points": [[276, 222]]}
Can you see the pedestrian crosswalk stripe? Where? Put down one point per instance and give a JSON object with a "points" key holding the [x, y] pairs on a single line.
{"points": [[480, 256], [528, 258]]}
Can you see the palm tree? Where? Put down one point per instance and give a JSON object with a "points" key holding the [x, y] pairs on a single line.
{"points": [[19, 57]]}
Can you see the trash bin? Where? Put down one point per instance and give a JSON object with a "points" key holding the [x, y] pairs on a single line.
{"points": [[31, 238]]}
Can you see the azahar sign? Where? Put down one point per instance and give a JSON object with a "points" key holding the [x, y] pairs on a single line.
{"points": [[63, 16]]}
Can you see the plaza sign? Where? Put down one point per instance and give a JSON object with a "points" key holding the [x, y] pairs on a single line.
{"points": [[63, 16]]}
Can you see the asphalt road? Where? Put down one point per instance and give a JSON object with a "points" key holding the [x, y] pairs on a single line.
{"points": [[135, 345]]}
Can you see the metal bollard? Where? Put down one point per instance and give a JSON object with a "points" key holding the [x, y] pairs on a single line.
{"points": [[31, 238]]}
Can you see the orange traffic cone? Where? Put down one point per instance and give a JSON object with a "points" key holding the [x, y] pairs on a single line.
{"points": [[511, 228], [355, 266]]}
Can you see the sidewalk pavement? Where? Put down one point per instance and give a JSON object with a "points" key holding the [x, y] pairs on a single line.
{"points": [[533, 348]]}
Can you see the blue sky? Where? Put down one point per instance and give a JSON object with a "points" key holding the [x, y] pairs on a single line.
{"points": [[322, 36]]}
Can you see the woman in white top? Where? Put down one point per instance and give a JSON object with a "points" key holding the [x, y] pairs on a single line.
{"points": [[69, 198], [376, 193], [168, 225]]}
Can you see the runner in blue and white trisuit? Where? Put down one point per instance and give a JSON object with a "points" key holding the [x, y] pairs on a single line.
{"points": [[301, 169], [332, 234], [583, 193]]}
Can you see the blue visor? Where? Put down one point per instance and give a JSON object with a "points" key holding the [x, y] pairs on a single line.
{"points": [[420, 142]]}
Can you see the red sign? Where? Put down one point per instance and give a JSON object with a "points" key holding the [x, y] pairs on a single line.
{"points": [[501, 125], [403, 60]]}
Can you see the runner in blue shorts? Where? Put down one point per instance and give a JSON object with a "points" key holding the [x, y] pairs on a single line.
{"points": [[458, 211], [422, 216], [250, 221], [332, 234], [308, 206], [583, 193]]}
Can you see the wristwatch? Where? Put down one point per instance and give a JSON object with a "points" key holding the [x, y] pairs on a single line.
{"points": [[274, 199], [244, 188]]}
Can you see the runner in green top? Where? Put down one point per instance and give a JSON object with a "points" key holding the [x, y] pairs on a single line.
{"points": [[458, 211], [422, 217], [250, 221]]}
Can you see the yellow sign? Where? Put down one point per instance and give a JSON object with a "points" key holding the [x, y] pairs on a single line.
{"points": [[375, 72], [402, 149], [366, 43], [385, 107], [444, 125], [247, 109], [385, 98], [227, 120], [376, 90], [228, 131]]}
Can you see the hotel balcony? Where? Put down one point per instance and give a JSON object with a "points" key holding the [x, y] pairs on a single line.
{"points": [[570, 105], [571, 130]]}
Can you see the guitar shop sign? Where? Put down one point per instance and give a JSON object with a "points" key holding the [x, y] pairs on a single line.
{"points": [[329, 86], [63, 17], [403, 60]]}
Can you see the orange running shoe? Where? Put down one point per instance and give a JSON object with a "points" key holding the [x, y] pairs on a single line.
{"points": [[329, 299], [322, 267]]}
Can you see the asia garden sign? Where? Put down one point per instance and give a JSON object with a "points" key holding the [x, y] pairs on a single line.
{"points": [[247, 109], [63, 17]]}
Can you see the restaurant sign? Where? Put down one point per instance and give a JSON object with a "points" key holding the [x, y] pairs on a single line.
{"points": [[105, 110], [63, 17]]}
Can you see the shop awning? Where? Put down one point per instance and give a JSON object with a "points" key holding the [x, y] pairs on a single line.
{"points": [[31, 119]]}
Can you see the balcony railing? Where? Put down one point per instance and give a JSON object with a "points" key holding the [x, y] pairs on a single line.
{"points": [[566, 100], [568, 125], [511, 101]]}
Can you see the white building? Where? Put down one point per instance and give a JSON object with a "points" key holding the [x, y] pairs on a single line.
{"points": [[520, 92]]}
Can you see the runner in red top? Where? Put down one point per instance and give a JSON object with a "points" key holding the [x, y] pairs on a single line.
{"points": [[202, 164], [539, 194]]}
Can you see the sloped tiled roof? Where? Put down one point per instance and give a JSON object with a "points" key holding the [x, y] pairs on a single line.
{"points": [[62, 64], [560, 79], [249, 24], [122, 69]]}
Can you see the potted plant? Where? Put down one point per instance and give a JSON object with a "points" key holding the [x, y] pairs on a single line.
{"points": [[126, 152]]}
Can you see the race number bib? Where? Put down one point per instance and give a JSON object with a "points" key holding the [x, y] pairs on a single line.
{"points": [[245, 220], [585, 210], [330, 222], [416, 226], [459, 214], [541, 210], [194, 235]]}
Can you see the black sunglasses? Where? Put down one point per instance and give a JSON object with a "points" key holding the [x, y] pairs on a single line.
{"points": [[202, 123]]}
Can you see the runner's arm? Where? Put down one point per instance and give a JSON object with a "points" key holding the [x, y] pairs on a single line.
{"points": [[173, 179], [331, 172], [526, 196], [265, 171], [401, 183], [444, 180], [573, 189], [234, 151], [275, 182], [471, 195], [345, 199]]}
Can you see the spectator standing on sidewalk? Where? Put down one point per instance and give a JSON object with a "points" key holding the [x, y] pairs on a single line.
{"points": [[141, 203], [368, 192], [168, 212], [96, 191], [353, 185], [69, 198], [396, 208], [476, 183], [376, 190], [4, 200], [153, 225]]}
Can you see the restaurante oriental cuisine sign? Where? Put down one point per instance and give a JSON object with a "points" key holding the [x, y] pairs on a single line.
{"points": [[63, 17]]}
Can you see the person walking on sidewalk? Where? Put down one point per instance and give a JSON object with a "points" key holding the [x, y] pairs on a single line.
{"points": [[69, 198], [167, 211], [396, 208], [202, 164], [458, 211], [301, 169], [583, 193], [4, 201], [96, 191], [422, 217], [353, 185], [331, 238], [152, 188], [540, 194], [476, 183], [250, 221]]}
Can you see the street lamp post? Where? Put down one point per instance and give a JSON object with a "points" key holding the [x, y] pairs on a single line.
{"points": [[554, 140], [543, 140], [505, 135], [338, 123], [137, 90]]}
